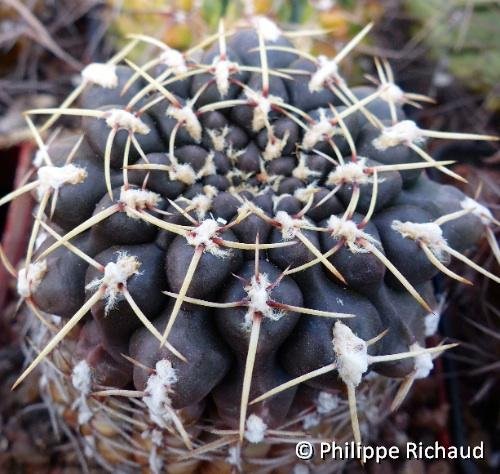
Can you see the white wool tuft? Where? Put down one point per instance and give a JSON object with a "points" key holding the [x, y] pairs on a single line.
{"points": [[350, 172], [182, 172], [115, 278], [156, 395], [120, 119], [261, 112], [324, 128], [234, 456], [404, 132], [39, 157], [233, 155], [222, 70], [43, 382], [390, 92], [165, 372], [258, 295], [262, 106], [155, 461], [202, 203], [302, 172], [255, 429], [269, 29], [186, 116], [89, 446], [431, 320], [311, 420], [174, 60], [431, 323], [428, 233], [349, 231], [247, 207], [41, 238], [289, 225], [218, 137], [155, 435], [203, 235], [208, 168], [327, 402], [327, 70], [304, 194], [351, 354], [210, 191], [275, 146], [477, 209], [423, 362], [138, 199], [55, 319], [102, 74], [53, 177], [29, 278], [81, 379]]}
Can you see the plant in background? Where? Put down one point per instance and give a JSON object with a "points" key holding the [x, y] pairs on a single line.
{"points": [[234, 249], [461, 37]]}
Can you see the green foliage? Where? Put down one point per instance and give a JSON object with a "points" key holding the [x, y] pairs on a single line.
{"points": [[212, 10], [465, 34]]}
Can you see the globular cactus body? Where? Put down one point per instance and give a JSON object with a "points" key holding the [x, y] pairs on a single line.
{"points": [[234, 234]]}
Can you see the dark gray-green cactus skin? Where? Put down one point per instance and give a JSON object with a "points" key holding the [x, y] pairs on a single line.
{"points": [[214, 175]]}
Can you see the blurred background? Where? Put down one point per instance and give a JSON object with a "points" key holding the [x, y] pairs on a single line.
{"points": [[446, 49]]}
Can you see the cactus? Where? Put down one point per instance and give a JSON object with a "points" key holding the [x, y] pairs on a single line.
{"points": [[236, 245]]}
